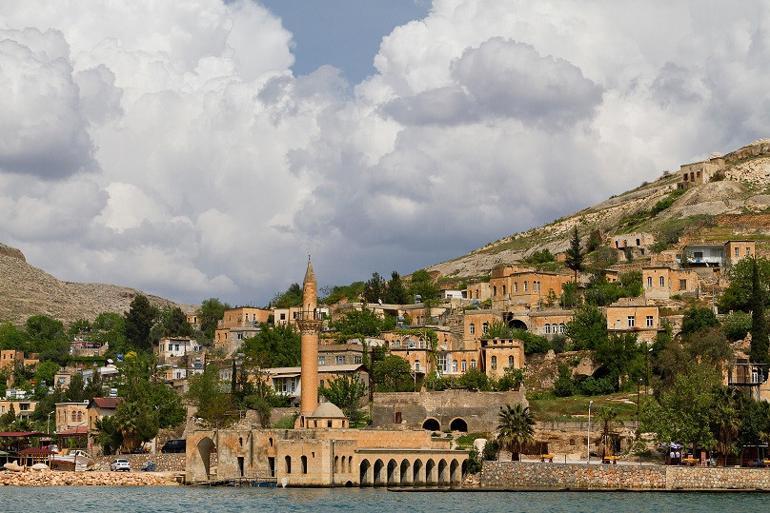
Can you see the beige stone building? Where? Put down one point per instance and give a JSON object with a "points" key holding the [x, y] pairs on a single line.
{"points": [[697, 173], [9, 358], [634, 315], [737, 250], [512, 286], [71, 415], [661, 282], [499, 354], [549, 323], [21, 408], [479, 290], [100, 407]]}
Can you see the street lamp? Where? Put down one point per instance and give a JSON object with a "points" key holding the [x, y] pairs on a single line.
{"points": [[49, 422], [589, 432]]}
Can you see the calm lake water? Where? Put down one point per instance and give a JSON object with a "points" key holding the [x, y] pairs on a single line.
{"points": [[238, 500]]}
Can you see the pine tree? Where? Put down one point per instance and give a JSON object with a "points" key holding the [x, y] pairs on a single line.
{"points": [[574, 258], [139, 321], [759, 340]]}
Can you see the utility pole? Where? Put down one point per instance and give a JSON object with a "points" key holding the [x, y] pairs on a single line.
{"points": [[588, 461]]}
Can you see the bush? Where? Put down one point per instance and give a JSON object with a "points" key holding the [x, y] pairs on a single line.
{"points": [[475, 380], [511, 380], [595, 386], [736, 325], [491, 450], [563, 386]]}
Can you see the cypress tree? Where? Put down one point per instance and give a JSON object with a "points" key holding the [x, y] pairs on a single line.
{"points": [[574, 254], [759, 340]]}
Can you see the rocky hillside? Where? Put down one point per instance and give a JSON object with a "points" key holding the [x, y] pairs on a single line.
{"points": [[734, 204], [27, 290]]}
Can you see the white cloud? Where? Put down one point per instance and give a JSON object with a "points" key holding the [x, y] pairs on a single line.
{"points": [[168, 145]]}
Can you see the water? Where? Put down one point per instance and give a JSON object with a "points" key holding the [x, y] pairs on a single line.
{"points": [[242, 500]]}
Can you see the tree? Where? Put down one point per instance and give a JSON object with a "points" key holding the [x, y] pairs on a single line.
{"points": [[739, 295], [110, 328], [421, 284], [12, 337], [47, 338], [395, 292], [76, 390], [588, 327], [374, 289], [608, 417], [45, 372], [564, 386], [362, 323], [759, 340], [726, 421], [515, 429], [736, 325], [697, 318], [475, 380], [174, 323], [273, 346], [291, 297], [620, 355], [393, 374], [570, 297], [140, 319], [205, 392], [209, 314], [346, 392], [574, 255], [595, 240], [77, 327]]}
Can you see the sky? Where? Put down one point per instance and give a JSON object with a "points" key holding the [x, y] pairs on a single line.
{"points": [[198, 148]]}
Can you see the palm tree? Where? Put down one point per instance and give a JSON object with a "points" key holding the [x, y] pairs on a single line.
{"points": [[726, 423], [515, 429], [608, 416]]}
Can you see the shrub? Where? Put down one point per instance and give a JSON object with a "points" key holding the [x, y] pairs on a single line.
{"points": [[491, 450], [595, 386], [563, 386], [736, 325]]}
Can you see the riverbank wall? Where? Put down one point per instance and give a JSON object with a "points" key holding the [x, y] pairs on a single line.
{"points": [[173, 462], [508, 475], [62, 478]]}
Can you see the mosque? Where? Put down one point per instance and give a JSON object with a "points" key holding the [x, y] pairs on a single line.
{"points": [[322, 450]]}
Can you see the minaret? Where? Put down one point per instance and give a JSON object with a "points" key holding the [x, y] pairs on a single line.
{"points": [[309, 326]]}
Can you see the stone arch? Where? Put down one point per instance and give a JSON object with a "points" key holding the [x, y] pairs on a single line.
{"points": [[417, 472], [350, 464], [337, 465], [205, 447], [403, 476], [303, 462], [455, 476], [365, 473], [379, 466], [458, 424], [392, 472], [443, 478], [431, 424], [287, 464], [430, 472], [464, 471], [518, 324]]}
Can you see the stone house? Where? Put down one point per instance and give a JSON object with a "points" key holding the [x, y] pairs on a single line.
{"points": [[512, 286], [634, 315], [100, 407], [170, 348], [498, 354], [340, 354], [737, 250], [697, 173], [21, 408], [286, 380], [71, 415], [661, 282], [479, 290], [549, 322], [9, 358]]}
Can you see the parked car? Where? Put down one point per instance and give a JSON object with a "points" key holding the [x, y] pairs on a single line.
{"points": [[120, 465], [149, 466], [174, 446]]}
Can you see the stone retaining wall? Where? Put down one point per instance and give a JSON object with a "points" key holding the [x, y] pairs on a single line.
{"points": [[554, 476], [61, 478], [174, 462]]}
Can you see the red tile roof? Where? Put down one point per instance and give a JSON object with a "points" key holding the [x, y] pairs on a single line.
{"points": [[35, 451], [107, 403], [19, 434], [79, 430]]}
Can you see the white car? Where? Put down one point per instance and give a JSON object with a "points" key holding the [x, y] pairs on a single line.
{"points": [[120, 465]]}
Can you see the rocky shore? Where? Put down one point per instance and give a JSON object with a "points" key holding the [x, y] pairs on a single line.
{"points": [[59, 478]]}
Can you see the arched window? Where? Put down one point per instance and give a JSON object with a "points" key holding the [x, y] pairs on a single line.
{"points": [[454, 365], [472, 328], [649, 281], [303, 461], [493, 361], [547, 329], [473, 364], [662, 281], [561, 328], [417, 365], [287, 461], [485, 327], [464, 365], [494, 291], [510, 362]]}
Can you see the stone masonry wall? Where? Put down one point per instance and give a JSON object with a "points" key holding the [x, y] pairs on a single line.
{"points": [[172, 462], [553, 476]]}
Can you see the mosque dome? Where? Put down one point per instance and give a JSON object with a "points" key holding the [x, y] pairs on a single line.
{"points": [[328, 410]]}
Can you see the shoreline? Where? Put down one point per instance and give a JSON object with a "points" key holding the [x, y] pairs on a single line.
{"points": [[46, 478]]}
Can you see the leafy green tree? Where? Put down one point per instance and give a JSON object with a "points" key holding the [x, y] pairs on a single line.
{"points": [[77, 327], [139, 321], [499, 329], [564, 386], [76, 391], [362, 323], [45, 371], [739, 295], [574, 254], [48, 338], [110, 328], [540, 257], [205, 393], [515, 429], [421, 284], [174, 322], [374, 289], [491, 450], [273, 346], [395, 291], [570, 296], [350, 292], [608, 418], [725, 421], [209, 313], [291, 297], [512, 379], [736, 325], [8, 419], [475, 380], [346, 392], [392, 374], [759, 295], [109, 436], [697, 318], [621, 356], [12, 337], [588, 328], [595, 241]]}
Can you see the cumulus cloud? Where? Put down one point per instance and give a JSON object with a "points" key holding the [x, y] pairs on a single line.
{"points": [[169, 146]]}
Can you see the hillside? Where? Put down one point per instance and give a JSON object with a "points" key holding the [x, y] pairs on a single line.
{"points": [[26, 290], [735, 203]]}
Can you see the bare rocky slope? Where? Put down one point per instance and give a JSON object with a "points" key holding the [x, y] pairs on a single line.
{"points": [[26, 290], [735, 204]]}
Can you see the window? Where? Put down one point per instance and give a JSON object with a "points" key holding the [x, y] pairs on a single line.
{"points": [[738, 251], [288, 464], [648, 321], [283, 318], [417, 365], [473, 364], [649, 282], [562, 326], [516, 287], [748, 251], [442, 363], [464, 366], [662, 281], [454, 365], [526, 286], [494, 291], [510, 362], [631, 321], [485, 328], [682, 284], [341, 360], [503, 290], [171, 347], [472, 328], [321, 360], [547, 329], [493, 362], [638, 242], [358, 359]]}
